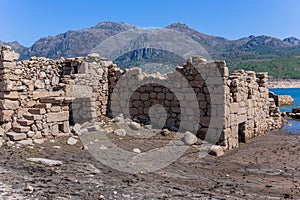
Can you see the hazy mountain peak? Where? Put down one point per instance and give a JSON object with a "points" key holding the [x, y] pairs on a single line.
{"points": [[120, 26], [292, 41]]}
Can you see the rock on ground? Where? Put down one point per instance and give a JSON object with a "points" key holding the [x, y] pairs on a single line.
{"points": [[45, 161], [120, 132], [135, 126], [189, 138], [72, 141], [216, 150]]}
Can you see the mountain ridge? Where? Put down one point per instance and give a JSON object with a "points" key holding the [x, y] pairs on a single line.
{"points": [[248, 52]]}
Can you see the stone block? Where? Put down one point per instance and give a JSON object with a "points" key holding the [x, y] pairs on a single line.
{"points": [[54, 130], [55, 109], [32, 117], [5, 115], [38, 95], [16, 136], [24, 122], [43, 105], [57, 117], [9, 56], [65, 127], [21, 129], [37, 111], [9, 95], [7, 104]]}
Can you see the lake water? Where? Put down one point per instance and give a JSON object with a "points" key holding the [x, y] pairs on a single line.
{"points": [[293, 126]]}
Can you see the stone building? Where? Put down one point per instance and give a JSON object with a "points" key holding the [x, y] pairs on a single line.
{"points": [[41, 98]]}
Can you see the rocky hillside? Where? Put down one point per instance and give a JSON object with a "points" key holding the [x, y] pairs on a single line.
{"points": [[281, 58]]}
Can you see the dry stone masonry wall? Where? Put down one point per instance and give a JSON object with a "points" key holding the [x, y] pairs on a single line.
{"points": [[41, 98]]}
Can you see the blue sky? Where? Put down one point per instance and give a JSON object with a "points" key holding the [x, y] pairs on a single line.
{"points": [[28, 20]]}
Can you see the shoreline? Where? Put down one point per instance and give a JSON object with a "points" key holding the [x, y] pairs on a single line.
{"points": [[284, 83]]}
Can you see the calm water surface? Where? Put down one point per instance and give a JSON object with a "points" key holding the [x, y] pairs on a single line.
{"points": [[293, 126]]}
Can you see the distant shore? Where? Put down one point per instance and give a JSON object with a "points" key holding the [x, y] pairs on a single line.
{"points": [[284, 83]]}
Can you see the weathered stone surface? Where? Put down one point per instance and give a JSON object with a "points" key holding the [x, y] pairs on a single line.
{"points": [[216, 150], [7, 104], [1, 132], [38, 141], [135, 126], [37, 111], [5, 115], [38, 95], [136, 150], [189, 138], [26, 142], [24, 122], [72, 141], [9, 55], [16, 136], [21, 129], [57, 117], [45, 161], [32, 117], [120, 132]]}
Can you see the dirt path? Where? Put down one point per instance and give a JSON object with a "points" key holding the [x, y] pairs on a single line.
{"points": [[268, 167]]}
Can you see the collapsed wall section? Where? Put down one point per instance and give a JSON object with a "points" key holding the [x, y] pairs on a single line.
{"points": [[41, 98]]}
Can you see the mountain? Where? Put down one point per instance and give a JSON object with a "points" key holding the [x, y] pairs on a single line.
{"points": [[75, 43], [281, 58], [15, 45]]}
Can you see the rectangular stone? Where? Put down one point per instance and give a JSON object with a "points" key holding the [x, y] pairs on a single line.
{"points": [[57, 117], [24, 122], [55, 109], [43, 105], [37, 111], [16, 136], [38, 95], [5, 115], [234, 108], [8, 66], [65, 127], [33, 117], [54, 130], [7, 104], [21, 129], [9, 95], [54, 100], [9, 56]]}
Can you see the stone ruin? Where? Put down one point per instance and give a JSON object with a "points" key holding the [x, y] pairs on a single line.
{"points": [[42, 98]]}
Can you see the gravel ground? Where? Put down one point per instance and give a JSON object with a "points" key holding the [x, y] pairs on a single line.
{"points": [[267, 167]]}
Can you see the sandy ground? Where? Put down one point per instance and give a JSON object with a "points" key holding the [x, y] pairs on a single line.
{"points": [[268, 167]]}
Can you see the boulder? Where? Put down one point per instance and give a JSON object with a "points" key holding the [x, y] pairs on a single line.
{"points": [[16, 136], [189, 138], [135, 126], [216, 150]]}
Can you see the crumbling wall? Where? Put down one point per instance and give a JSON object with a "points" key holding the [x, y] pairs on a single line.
{"points": [[235, 108], [252, 112], [41, 98]]}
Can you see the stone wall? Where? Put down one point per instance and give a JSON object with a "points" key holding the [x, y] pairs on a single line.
{"points": [[38, 95], [238, 105], [41, 98]]}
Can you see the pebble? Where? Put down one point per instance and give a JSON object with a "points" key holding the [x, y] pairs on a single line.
{"points": [[120, 132], [72, 141], [136, 150]]}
